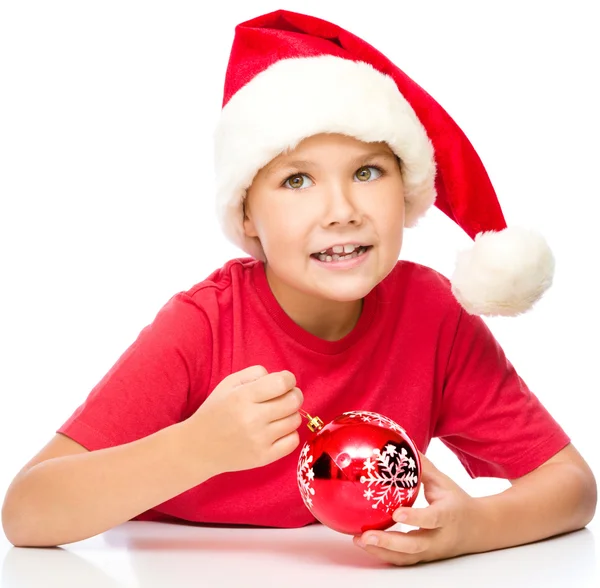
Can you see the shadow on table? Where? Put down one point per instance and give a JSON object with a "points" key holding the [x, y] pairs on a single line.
{"points": [[570, 556], [297, 544], [51, 567], [200, 556]]}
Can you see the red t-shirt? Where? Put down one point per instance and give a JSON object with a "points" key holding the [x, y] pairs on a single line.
{"points": [[414, 356]]}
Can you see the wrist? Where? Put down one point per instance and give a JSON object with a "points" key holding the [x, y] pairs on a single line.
{"points": [[479, 531], [192, 453], [487, 534]]}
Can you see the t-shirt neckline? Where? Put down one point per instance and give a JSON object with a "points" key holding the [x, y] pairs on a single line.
{"points": [[290, 328]]}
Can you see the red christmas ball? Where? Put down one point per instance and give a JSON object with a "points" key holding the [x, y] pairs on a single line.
{"points": [[357, 470]]}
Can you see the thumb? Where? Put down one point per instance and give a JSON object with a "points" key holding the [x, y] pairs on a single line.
{"points": [[431, 476]]}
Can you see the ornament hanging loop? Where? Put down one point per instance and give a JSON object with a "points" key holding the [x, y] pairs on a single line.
{"points": [[314, 423]]}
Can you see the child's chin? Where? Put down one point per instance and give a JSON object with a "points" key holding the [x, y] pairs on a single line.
{"points": [[348, 289]]}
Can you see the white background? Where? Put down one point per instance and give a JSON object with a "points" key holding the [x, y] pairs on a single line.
{"points": [[107, 195]]}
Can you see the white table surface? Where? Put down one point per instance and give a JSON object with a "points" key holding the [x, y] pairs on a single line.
{"points": [[166, 555]]}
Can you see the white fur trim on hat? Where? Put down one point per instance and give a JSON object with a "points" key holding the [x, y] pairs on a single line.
{"points": [[296, 98], [504, 273]]}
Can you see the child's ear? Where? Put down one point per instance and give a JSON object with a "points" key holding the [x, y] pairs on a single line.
{"points": [[249, 228]]}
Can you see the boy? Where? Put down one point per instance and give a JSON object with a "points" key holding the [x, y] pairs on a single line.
{"points": [[325, 150]]}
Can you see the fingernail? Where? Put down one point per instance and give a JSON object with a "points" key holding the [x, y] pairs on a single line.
{"points": [[399, 517], [372, 540]]}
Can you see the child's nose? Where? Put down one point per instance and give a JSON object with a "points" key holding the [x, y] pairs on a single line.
{"points": [[340, 204]]}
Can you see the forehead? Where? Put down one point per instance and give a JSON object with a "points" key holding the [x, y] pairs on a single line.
{"points": [[317, 145], [338, 140]]}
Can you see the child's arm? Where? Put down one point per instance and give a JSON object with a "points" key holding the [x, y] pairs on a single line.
{"points": [[67, 493], [557, 497]]}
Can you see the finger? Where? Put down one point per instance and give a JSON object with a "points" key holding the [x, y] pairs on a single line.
{"points": [[247, 375], [392, 557], [427, 466], [271, 386], [430, 475], [284, 446], [398, 547], [283, 406], [429, 517], [411, 543], [285, 426]]}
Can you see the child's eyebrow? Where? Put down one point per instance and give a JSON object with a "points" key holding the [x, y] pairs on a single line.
{"points": [[297, 163], [306, 164], [381, 153]]}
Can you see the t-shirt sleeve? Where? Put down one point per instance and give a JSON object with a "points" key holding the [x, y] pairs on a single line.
{"points": [[489, 418], [148, 387]]}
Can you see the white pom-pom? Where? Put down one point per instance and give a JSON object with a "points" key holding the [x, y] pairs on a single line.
{"points": [[504, 274]]}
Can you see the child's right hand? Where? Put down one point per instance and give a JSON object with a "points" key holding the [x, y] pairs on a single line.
{"points": [[249, 420]]}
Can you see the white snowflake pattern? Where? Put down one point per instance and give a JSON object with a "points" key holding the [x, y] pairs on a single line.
{"points": [[370, 465], [306, 475], [394, 479], [379, 419]]}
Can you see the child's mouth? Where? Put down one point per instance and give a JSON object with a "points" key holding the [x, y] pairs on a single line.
{"points": [[329, 257]]}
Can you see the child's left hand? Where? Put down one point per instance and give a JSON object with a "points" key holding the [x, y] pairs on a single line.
{"points": [[446, 527]]}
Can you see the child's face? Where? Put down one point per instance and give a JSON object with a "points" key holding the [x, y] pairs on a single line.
{"points": [[332, 189]]}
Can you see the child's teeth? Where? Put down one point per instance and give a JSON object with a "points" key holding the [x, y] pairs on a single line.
{"points": [[342, 249], [336, 257]]}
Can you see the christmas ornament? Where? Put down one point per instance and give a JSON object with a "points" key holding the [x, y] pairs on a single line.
{"points": [[357, 470]]}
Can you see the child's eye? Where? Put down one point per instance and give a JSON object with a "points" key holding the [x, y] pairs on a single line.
{"points": [[368, 173], [297, 182]]}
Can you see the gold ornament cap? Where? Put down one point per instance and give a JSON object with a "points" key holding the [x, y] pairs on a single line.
{"points": [[314, 423]]}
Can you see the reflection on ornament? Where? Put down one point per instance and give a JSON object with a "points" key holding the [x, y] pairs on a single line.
{"points": [[357, 470]]}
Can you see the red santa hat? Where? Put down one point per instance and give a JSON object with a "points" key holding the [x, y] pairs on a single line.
{"points": [[291, 76]]}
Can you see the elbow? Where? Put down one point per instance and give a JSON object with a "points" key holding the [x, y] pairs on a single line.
{"points": [[15, 537], [577, 487], [589, 496], [19, 524], [583, 495], [11, 525], [20, 532], [14, 526]]}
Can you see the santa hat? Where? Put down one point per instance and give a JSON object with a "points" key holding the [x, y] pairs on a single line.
{"points": [[291, 76]]}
